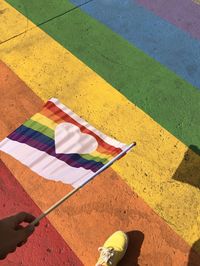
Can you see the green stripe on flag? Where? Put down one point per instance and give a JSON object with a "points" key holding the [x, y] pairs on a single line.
{"points": [[95, 158], [50, 133], [40, 128]]}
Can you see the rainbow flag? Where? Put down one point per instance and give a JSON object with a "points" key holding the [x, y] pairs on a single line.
{"points": [[59, 145]]}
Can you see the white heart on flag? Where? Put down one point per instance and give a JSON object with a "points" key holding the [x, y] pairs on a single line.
{"points": [[69, 139]]}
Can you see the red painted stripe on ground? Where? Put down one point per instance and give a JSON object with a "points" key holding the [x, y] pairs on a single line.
{"points": [[45, 246]]}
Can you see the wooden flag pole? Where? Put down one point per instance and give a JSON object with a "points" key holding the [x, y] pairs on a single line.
{"points": [[58, 203]]}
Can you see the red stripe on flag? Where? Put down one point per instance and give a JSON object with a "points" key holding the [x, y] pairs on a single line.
{"points": [[65, 117]]}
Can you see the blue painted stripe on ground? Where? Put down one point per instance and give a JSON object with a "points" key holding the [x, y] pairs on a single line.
{"points": [[163, 41]]}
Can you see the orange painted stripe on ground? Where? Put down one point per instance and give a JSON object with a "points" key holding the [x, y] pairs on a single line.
{"points": [[103, 206]]}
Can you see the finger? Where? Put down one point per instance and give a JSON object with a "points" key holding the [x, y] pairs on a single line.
{"points": [[18, 227], [22, 243], [23, 234], [2, 257], [37, 224], [23, 217], [12, 250]]}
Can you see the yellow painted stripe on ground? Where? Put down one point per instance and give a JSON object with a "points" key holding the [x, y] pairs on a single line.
{"points": [[14, 24], [52, 71]]}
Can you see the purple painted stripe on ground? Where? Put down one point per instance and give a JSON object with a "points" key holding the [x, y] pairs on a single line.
{"points": [[185, 14]]}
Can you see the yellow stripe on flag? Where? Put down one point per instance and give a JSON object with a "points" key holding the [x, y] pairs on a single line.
{"points": [[45, 121], [101, 155]]}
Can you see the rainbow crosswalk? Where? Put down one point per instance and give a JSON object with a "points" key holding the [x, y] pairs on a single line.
{"points": [[132, 71]]}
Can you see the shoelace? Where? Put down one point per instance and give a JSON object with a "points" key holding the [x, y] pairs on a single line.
{"points": [[106, 254]]}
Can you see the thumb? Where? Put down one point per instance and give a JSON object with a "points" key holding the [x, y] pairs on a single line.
{"points": [[28, 230], [24, 233]]}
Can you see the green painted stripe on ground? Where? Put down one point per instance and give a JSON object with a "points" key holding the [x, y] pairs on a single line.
{"points": [[171, 101], [40, 11]]}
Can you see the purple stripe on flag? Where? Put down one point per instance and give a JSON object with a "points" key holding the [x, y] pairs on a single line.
{"points": [[185, 14]]}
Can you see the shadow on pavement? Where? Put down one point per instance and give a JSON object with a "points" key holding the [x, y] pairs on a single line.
{"points": [[194, 257], [136, 239], [189, 169], [189, 172]]}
